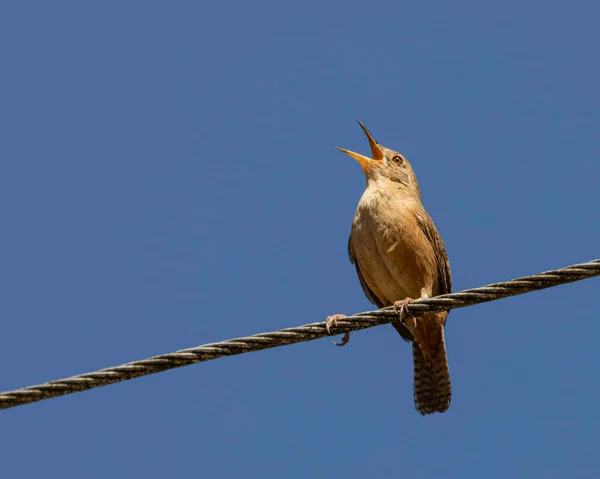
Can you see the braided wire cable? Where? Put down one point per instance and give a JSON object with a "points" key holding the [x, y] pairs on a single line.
{"points": [[307, 332]]}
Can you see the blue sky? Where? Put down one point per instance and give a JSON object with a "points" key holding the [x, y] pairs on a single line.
{"points": [[169, 178]]}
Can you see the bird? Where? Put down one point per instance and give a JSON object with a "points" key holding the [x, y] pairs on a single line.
{"points": [[399, 256]]}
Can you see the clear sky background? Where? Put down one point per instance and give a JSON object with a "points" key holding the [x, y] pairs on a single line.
{"points": [[168, 178]]}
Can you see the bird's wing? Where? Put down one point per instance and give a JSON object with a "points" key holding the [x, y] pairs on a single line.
{"points": [[368, 292], [441, 257], [402, 330]]}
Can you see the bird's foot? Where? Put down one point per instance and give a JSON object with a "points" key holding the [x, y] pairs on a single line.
{"points": [[332, 321], [401, 307]]}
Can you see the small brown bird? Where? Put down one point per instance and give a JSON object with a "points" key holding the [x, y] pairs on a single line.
{"points": [[399, 255]]}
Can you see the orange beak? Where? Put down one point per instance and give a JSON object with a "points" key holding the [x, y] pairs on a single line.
{"points": [[376, 151]]}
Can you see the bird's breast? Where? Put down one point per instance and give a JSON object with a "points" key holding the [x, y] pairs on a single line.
{"points": [[394, 256]]}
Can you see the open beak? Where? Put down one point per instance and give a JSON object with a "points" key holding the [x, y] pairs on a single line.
{"points": [[376, 151]]}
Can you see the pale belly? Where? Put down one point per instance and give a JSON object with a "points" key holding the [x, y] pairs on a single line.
{"points": [[395, 258]]}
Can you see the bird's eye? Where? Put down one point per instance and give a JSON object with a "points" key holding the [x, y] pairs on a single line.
{"points": [[397, 160]]}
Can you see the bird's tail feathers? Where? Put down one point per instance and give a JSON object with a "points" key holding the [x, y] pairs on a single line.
{"points": [[432, 388]]}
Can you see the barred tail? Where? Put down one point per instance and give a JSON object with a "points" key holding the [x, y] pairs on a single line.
{"points": [[432, 377]]}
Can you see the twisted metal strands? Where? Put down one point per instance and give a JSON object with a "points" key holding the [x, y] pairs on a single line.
{"points": [[299, 334]]}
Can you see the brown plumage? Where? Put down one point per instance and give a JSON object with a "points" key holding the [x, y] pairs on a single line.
{"points": [[399, 255]]}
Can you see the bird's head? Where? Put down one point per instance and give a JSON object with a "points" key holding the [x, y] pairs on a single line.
{"points": [[385, 164]]}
